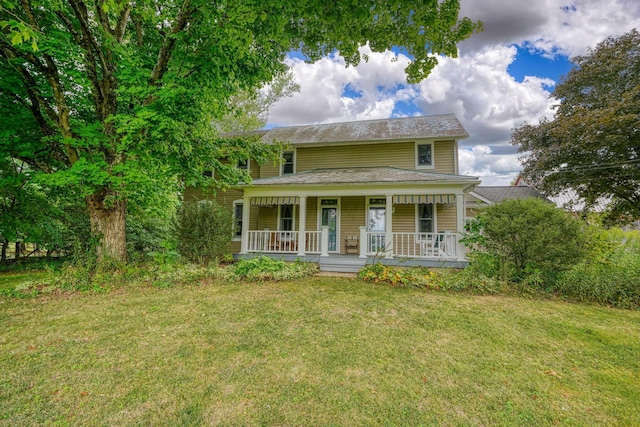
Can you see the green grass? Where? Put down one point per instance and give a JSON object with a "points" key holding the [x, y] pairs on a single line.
{"points": [[316, 351], [11, 279]]}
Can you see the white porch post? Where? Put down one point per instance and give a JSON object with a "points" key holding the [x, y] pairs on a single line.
{"points": [[246, 212], [460, 214], [302, 225], [388, 234], [324, 241], [363, 242]]}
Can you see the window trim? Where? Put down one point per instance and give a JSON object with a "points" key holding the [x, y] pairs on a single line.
{"points": [[281, 170], [430, 143], [293, 218], [235, 205]]}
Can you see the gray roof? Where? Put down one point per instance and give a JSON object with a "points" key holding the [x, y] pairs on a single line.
{"points": [[371, 175], [440, 126], [498, 194]]}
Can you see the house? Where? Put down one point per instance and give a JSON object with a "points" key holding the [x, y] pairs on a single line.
{"points": [[482, 196], [350, 192]]}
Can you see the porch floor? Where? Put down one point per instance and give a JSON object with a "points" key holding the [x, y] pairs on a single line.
{"points": [[352, 263]]}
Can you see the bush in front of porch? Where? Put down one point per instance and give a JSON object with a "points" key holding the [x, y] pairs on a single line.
{"points": [[423, 278]]}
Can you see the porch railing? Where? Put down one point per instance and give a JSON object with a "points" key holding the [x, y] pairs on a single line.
{"points": [[410, 245], [268, 241], [425, 245]]}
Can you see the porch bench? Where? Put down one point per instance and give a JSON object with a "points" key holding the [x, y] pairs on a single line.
{"points": [[351, 244]]}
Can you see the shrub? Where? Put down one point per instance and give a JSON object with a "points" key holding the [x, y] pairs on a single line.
{"points": [[422, 278], [265, 268], [203, 231], [527, 240], [611, 272]]}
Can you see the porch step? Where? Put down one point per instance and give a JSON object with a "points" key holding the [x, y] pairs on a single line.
{"points": [[341, 265]]}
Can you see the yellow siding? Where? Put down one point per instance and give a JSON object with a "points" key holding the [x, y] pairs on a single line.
{"points": [[404, 219], [352, 216], [268, 218], [400, 155], [446, 217], [312, 214], [268, 170], [443, 157]]}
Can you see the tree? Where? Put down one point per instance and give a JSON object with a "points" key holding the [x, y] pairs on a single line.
{"points": [[115, 98], [528, 236], [592, 145]]}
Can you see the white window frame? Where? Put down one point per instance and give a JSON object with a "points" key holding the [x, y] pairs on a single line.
{"points": [[282, 161], [417, 218], [293, 218], [432, 165], [235, 204]]}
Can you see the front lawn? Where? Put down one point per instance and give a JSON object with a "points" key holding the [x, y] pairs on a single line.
{"points": [[316, 351]]}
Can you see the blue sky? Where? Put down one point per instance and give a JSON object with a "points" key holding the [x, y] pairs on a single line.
{"points": [[502, 78]]}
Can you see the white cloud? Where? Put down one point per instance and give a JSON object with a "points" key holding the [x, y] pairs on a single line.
{"points": [[323, 83], [476, 86], [552, 26]]}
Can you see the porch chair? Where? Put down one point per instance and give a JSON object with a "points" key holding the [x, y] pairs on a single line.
{"points": [[351, 244]]}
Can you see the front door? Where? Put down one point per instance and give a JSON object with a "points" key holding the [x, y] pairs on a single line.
{"points": [[329, 218]]}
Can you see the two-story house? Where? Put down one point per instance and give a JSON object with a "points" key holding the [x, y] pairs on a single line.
{"points": [[388, 189]]}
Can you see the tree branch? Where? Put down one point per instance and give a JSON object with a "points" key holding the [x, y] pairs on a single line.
{"points": [[169, 42]]}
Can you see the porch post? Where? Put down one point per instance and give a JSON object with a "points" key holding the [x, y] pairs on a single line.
{"points": [[246, 212], [460, 208], [302, 225], [388, 234], [324, 241], [363, 242]]}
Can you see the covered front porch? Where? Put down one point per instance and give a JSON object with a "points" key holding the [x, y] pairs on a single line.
{"points": [[366, 213], [435, 246]]}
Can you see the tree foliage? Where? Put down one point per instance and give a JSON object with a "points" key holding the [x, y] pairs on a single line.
{"points": [[528, 237], [592, 145], [203, 231], [115, 98]]}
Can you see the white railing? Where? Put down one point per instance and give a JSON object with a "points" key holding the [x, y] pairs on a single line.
{"points": [[375, 243], [410, 245], [272, 241], [268, 241], [425, 245], [312, 242]]}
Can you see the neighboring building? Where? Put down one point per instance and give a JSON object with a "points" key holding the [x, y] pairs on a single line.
{"points": [[377, 188], [481, 196]]}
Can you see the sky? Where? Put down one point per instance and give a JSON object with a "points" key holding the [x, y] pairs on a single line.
{"points": [[502, 78]]}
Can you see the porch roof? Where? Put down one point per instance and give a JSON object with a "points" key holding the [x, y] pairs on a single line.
{"points": [[364, 175]]}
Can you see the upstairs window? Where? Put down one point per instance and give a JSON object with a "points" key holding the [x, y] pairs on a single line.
{"points": [[424, 155], [243, 164], [287, 163]]}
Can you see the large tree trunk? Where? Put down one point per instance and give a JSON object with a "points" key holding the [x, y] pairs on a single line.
{"points": [[108, 226], [3, 251]]}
